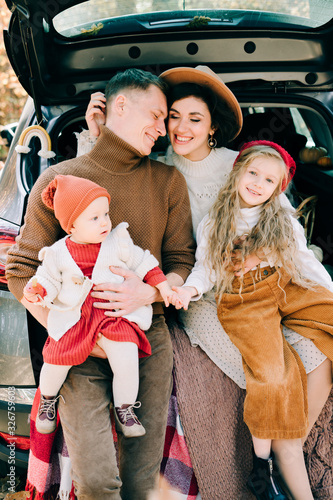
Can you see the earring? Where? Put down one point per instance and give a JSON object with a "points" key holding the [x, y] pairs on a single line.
{"points": [[212, 142]]}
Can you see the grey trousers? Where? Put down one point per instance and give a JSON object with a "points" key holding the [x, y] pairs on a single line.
{"points": [[85, 418]]}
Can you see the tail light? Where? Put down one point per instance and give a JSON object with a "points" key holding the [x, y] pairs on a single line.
{"points": [[21, 442], [8, 233]]}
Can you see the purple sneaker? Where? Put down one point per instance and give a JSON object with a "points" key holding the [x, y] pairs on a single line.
{"points": [[127, 422], [46, 421]]}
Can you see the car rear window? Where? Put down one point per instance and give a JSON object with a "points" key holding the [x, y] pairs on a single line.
{"points": [[93, 17]]}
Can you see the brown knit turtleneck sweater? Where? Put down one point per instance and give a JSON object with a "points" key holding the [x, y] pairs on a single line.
{"points": [[150, 196]]}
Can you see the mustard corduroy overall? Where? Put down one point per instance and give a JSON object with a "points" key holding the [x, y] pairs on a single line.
{"points": [[275, 406]]}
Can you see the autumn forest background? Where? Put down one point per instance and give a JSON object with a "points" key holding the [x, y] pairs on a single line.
{"points": [[12, 95]]}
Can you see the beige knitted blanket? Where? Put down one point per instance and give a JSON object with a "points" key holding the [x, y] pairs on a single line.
{"points": [[211, 410]]}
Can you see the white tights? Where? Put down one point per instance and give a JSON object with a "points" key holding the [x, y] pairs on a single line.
{"points": [[124, 362]]}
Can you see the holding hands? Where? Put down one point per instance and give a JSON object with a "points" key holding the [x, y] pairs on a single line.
{"points": [[169, 296], [182, 296]]}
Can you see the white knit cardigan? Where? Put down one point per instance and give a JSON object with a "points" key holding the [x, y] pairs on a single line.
{"points": [[67, 287]]}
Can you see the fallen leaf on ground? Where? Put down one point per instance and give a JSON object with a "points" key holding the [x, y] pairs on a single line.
{"points": [[20, 495]]}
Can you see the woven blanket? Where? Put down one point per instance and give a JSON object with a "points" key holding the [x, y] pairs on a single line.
{"points": [[209, 450]]}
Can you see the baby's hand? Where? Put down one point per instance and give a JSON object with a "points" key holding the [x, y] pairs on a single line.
{"points": [[174, 299], [168, 295], [184, 295], [33, 291]]}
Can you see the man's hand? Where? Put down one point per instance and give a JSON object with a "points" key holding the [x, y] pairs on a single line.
{"points": [[40, 313], [95, 114], [123, 298]]}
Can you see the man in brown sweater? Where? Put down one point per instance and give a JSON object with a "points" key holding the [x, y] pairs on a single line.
{"points": [[153, 199]]}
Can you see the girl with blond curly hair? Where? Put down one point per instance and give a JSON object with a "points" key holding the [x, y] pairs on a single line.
{"points": [[288, 285]]}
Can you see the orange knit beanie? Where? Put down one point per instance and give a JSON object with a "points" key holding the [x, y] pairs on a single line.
{"points": [[69, 196]]}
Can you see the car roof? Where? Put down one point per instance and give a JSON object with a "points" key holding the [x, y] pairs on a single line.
{"points": [[61, 61]]}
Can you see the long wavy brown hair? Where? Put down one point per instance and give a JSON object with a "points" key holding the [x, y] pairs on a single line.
{"points": [[272, 234]]}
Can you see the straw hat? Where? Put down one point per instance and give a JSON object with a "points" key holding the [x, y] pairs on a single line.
{"points": [[203, 75]]}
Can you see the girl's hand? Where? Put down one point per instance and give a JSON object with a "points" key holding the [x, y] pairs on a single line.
{"points": [[240, 268], [184, 295], [40, 313], [176, 301], [249, 263], [95, 114], [168, 295], [173, 298]]}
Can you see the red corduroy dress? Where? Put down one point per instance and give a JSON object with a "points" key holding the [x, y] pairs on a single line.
{"points": [[77, 343]]}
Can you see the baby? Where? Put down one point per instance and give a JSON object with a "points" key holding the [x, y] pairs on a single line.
{"points": [[69, 270]]}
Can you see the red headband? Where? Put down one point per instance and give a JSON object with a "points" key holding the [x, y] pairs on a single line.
{"points": [[288, 160]]}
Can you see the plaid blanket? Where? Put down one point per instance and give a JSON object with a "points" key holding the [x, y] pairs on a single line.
{"points": [[49, 464], [176, 465]]}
